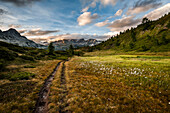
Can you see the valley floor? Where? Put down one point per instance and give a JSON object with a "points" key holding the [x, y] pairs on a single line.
{"points": [[114, 83], [107, 83]]}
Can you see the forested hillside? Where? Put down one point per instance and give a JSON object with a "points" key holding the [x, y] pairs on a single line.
{"points": [[153, 36]]}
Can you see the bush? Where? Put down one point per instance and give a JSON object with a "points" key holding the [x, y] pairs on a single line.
{"points": [[144, 48], [26, 57], [12, 47], [50, 57], [62, 58], [78, 53], [7, 54], [21, 76], [29, 66], [131, 45], [2, 65]]}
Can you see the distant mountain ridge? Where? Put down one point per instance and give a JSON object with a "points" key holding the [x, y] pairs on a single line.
{"points": [[13, 36], [65, 43]]}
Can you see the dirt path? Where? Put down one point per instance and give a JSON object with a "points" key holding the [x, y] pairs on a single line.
{"points": [[42, 102], [63, 92]]}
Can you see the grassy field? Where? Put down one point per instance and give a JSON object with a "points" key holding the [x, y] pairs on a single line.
{"points": [[97, 82], [19, 95], [119, 83]]}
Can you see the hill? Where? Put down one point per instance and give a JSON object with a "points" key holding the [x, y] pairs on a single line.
{"points": [[14, 54], [152, 36]]}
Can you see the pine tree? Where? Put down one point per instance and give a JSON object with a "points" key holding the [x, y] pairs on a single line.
{"points": [[133, 35], [145, 20], [51, 49], [71, 50]]}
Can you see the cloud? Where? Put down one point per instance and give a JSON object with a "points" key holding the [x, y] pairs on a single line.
{"points": [[70, 36], [108, 2], [86, 18], [111, 33], [157, 13], [77, 36], [14, 26], [38, 32], [123, 23], [118, 13], [22, 31], [2, 11], [101, 24], [94, 2], [93, 5], [142, 6], [20, 2], [85, 9]]}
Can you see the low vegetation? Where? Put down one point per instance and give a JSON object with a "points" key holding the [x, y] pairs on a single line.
{"points": [[119, 83], [19, 86], [22, 73]]}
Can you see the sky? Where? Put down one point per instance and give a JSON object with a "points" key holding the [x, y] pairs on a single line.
{"points": [[52, 20]]}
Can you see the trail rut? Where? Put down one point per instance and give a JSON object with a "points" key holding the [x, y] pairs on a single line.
{"points": [[63, 92], [42, 102]]}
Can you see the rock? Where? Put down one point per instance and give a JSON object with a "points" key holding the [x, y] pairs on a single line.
{"points": [[13, 36], [65, 43]]}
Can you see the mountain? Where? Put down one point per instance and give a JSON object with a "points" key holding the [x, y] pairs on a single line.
{"points": [[13, 37], [65, 43], [153, 36]]}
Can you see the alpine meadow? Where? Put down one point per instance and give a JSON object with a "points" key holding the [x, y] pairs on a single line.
{"points": [[84, 56]]}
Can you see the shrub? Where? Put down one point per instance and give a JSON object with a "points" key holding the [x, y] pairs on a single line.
{"points": [[144, 48], [26, 57], [131, 45], [21, 76], [6, 54], [29, 66], [62, 58], [12, 47], [2, 65], [50, 57], [78, 53]]}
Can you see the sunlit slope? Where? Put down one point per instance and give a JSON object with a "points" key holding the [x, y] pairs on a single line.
{"points": [[153, 36]]}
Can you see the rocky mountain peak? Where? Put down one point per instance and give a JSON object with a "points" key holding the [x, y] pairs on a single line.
{"points": [[65, 43], [14, 37], [12, 32]]}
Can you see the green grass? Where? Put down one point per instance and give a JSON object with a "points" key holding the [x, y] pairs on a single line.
{"points": [[122, 83], [17, 76], [29, 66]]}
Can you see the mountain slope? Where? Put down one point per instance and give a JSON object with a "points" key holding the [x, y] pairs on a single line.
{"points": [[65, 43], [13, 37], [151, 36]]}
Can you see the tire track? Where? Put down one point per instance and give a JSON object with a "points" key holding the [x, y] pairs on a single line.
{"points": [[42, 102], [63, 92]]}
